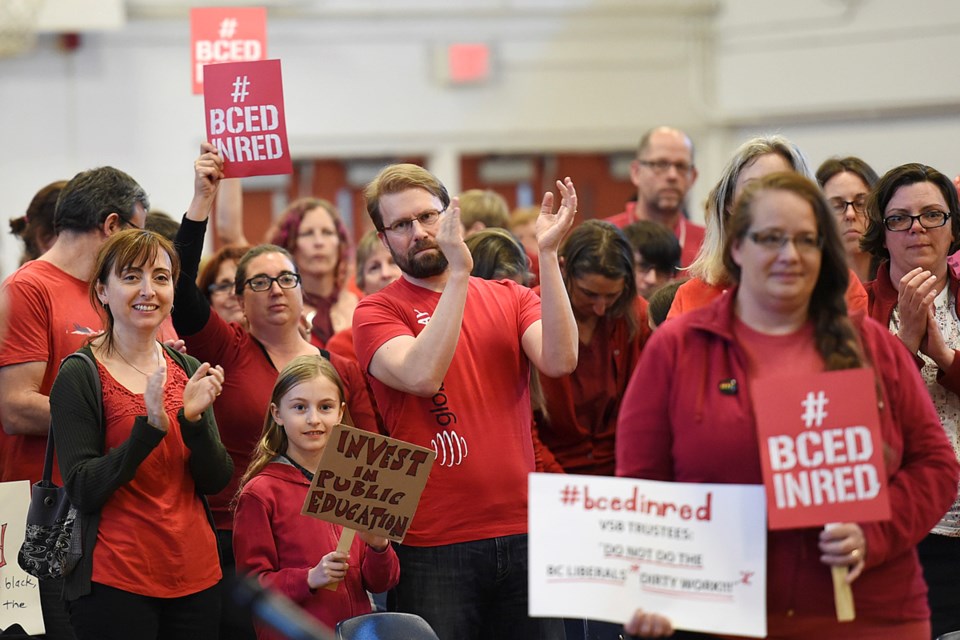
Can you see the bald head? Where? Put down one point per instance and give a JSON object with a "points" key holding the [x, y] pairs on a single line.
{"points": [[663, 174]]}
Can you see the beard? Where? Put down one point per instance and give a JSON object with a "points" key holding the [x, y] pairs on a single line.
{"points": [[421, 266]]}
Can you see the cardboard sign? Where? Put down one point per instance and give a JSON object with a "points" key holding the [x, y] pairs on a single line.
{"points": [[19, 591], [244, 107], [369, 482], [225, 34], [601, 547], [821, 449]]}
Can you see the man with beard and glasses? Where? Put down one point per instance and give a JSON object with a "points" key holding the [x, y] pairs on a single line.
{"points": [[449, 357], [664, 173]]}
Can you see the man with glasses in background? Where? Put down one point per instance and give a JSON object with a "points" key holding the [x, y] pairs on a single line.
{"points": [[664, 173], [448, 357], [50, 317]]}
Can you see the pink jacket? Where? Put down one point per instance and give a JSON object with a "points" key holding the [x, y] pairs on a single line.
{"points": [[274, 542], [676, 424]]}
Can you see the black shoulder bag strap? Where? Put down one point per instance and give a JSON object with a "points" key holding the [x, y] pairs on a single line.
{"points": [[48, 458]]}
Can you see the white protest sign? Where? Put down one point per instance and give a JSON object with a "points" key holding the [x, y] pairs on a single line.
{"points": [[19, 591], [601, 547]]}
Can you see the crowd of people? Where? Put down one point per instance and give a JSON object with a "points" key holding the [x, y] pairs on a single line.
{"points": [[545, 339]]}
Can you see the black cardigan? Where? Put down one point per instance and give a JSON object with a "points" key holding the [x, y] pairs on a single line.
{"points": [[91, 475]]}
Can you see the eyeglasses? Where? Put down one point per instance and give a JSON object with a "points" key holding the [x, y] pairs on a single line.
{"points": [[646, 267], [776, 241], [222, 287], [927, 220], [660, 167], [839, 205], [404, 227], [285, 280]]}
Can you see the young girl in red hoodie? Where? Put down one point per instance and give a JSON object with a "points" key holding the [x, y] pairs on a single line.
{"points": [[293, 554]]}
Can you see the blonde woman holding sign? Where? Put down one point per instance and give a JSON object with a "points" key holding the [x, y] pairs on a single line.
{"points": [[690, 418], [288, 552]]}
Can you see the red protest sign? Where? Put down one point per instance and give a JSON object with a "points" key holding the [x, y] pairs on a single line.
{"points": [[225, 34], [244, 107], [821, 449]]}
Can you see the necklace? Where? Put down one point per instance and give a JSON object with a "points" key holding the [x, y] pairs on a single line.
{"points": [[147, 375]]}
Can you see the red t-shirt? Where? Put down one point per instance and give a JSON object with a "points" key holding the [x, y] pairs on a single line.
{"points": [[154, 538], [689, 234], [479, 419], [50, 318]]}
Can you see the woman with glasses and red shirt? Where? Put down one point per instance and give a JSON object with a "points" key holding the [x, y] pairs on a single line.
{"points": [[252, 353]]}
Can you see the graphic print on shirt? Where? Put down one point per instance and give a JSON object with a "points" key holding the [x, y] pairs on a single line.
{"points": [[80, 330], [450, 447]]}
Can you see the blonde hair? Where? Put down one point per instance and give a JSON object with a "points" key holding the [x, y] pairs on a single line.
{"points": [[273, 439], [708, 266]]}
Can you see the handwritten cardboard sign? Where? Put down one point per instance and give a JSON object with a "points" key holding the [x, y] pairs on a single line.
{"points": [[821, 449], [245, 120], [19, 591], [601, 547], [225, 34], [369, 482]]}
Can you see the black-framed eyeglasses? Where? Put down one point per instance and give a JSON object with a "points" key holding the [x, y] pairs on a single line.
{"points": [[220, 287], [927, 220], [404, 227], [839, 205], [646, 267], [660, 167], [775, 241], [262, 282]]}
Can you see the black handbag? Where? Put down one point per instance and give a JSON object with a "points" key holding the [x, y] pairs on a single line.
{"points": [[52, 546]]}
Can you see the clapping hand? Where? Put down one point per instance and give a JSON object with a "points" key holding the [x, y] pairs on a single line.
{"points": [[552, 227], [202, 389], [917, 292], [153, 399], [450, 240]]}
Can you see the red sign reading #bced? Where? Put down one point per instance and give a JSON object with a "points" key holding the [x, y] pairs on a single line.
{"points": [[225, 34]]}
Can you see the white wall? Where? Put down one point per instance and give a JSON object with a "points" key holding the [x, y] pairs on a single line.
{"points": [[359, 78], [865, 77]]}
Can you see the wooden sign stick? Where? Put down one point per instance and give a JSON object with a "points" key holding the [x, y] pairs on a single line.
{"points": [[842, 593], [346, 541]]}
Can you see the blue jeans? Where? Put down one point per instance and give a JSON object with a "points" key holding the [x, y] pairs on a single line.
{"points": [[471, 590]]}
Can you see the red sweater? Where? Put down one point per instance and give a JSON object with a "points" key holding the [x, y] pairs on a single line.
{"points": [[675, 424], [274, 542]]}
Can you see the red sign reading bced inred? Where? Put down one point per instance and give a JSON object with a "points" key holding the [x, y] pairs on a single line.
{"points": [[244, 114], [821, 449]]}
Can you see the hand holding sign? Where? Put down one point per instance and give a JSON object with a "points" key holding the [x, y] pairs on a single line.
{"points": [[648, 625], [331, 569], [843, 545]]}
